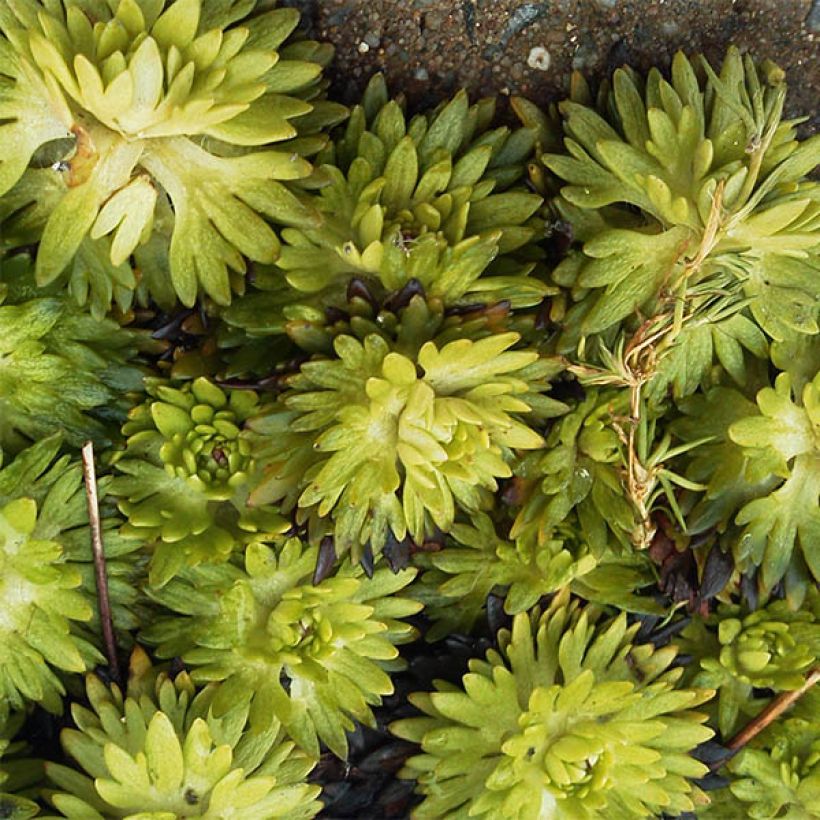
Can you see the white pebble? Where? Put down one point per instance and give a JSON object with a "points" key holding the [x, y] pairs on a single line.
{"points": [[363, 47], [539, 58]]}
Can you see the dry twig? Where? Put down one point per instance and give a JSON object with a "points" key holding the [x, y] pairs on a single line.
{"points": [[773, 711], [98, 551]]}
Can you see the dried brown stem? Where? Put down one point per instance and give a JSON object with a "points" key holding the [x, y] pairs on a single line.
{"points": [[771, 713], [641, 358], [98, 551]]}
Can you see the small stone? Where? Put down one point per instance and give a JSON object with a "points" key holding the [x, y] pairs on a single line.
{"points": [[372, 38], [433, 20], [421, 74], [813, 19], [586, 56], [363, 47], [338, 17], [539, 58]]}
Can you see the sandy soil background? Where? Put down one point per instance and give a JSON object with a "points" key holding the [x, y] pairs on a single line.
{"points": [[429, 48]]}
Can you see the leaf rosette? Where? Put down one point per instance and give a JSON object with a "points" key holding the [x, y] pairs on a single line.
{"points": [[185, 473], [425, 197], [739, 652], [377, 441], [568, 718], [48, 624], [673, 183], [318, 652], [60, 370], [170, 109], [762, 473], [158, 751]]}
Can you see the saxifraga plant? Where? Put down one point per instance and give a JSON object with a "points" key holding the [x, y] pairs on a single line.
{"points": [[157, 750], [380, 442], [61, 370], [567, 718], [48, 626], [533, 391], [177, 119], [318, 652], [186, 470]]}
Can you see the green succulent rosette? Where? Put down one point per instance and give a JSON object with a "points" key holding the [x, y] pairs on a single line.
{"points": [[47, 591], [567, 718], [429, 207], [376, 441], [783, 781], [169, 111], [738, 652], [317, 652], [159, 751], [762, 475], [60, 370], [184, 477], [674, 182], [420, 198]]}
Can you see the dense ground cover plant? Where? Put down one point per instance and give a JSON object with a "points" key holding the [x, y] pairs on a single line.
{"points": [[446, 468]]}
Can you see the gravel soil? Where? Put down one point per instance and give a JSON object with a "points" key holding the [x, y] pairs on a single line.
{"points": [[430, 48]]}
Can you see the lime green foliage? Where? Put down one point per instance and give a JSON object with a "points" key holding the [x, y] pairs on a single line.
{"points": [[737, 651], [316, 652], [567, 719], [562, 376], [576, 476], [160, 103], [762, 471], [696, 250], [377, 441], [718, 179], [423, 208], [781, 783], [15, 774], [59, 368], [433, 198], [185, 482], [778, 774], [785, 436], [46, 580], [477, 561], [40, 598], [160, 752]]}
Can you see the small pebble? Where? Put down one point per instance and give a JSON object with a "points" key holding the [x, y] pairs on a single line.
{"points": [[585, 57], [372, 38], [539, 58], [813, 19], [421, 74], [433, 20], [363, 47]]}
